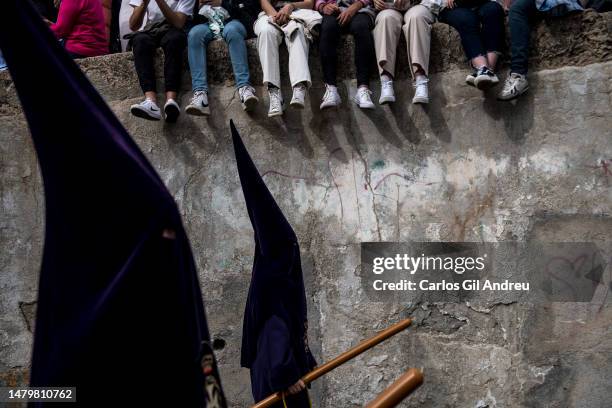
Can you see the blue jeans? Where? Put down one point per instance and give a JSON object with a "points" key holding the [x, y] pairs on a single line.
{"points": [[234, 35]]}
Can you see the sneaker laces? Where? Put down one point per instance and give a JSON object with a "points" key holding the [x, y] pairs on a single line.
{"points": [[299, 90], [275, 100], [329, 95], [245, 91], [387, 85], [364, 93], [196, 96], [510, 83]]}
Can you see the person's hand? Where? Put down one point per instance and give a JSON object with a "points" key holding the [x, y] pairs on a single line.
{"points": [[380, 5], [56, 3], [507, 4], [299, 386], [282, 17], [400, 4], [347, 15], [330, 9], [450, 4]]}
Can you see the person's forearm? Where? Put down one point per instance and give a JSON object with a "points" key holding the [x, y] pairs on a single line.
{"points": [[307, 4], [267, 7], [173, 17], [356, 6], [137, 17], [66, 17]]}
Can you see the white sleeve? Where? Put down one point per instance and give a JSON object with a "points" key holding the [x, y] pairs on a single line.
{"points": [[135, 3], [184, 6]]}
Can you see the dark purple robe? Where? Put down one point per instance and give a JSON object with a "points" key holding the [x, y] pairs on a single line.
{"points": [[120, 314], [274, 337]]}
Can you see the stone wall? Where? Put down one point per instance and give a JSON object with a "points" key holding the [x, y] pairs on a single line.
{"points": [[466, 167]]}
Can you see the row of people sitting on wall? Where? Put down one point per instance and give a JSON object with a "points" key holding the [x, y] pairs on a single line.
{"points": [[376, 26]]}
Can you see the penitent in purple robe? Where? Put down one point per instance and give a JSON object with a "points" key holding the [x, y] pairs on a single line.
{"points": [[274, 338], [120, 313]]}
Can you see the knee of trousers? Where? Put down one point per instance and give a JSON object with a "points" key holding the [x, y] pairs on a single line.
{"points": [[199, 33], [388, 18], [142, 40], [267, 31]]}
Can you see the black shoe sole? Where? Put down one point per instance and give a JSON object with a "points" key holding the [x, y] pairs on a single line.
{"points": [[172, 113], [143, 115]]}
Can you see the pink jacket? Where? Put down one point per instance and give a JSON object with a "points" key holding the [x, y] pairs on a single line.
{"points": [[81, 24]]}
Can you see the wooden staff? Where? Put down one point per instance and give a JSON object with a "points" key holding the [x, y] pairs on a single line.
{"points": [[399, 390], [341, 359]]}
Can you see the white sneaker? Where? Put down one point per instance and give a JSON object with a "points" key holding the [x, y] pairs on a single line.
{"points": [[248, 99], [387, 94], [199, 104], [421, 91], [331, 98], [171, 110], [146, 109], [276, 102], [299, 94], [515, 86], [363, 98]]}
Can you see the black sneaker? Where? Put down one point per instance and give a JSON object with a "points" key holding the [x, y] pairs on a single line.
{"points": [[485, 78]]}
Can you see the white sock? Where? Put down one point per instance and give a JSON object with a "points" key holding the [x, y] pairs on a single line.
{"points": [[385, 78]]}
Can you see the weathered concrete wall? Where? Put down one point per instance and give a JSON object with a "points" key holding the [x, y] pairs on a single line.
{"points": [[466, 167]]}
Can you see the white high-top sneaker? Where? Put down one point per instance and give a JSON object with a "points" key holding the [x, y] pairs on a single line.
{"points": [[276, 102], [363, 98], [248, 99], [387, 94], [199, 104], [331, 98], [299, 95], [421, 90]]}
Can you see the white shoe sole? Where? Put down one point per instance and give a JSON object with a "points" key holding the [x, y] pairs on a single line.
{"points": [[195, 111], [420, 100], [143, 114], [511, 97], [328, 106], [383, 100], [277, 113], [363, 105], [296, 104]]}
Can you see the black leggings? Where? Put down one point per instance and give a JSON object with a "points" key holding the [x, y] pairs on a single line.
{"points": [[361, 29], [173, 42]]}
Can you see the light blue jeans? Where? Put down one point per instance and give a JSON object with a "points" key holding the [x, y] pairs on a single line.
{"points": [[234, 35]]}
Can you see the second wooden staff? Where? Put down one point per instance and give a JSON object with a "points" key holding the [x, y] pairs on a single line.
{"points": [[341, 359]]}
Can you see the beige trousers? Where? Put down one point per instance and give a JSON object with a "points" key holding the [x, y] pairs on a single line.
{"points": [[417, 30], [269, 39]]}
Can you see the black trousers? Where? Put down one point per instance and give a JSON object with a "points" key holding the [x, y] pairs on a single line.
{"points": [[361, 29], [481, 28], [173, 42]]}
